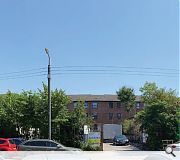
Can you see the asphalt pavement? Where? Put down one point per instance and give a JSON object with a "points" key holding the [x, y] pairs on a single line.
{"points": [[111, 147]]}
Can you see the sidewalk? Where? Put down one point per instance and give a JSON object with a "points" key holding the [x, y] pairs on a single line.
{"points": [[111, 147]]}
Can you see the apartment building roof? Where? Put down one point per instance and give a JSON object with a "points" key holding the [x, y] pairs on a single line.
{"points": [[105, 97]]}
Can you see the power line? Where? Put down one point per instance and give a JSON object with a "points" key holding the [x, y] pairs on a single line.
{"points": [[24, 74], [104, 70], [73, 72], [8, 78], [100, 71], [115, 73], [29, 70], [146, 68], [92, 73]]}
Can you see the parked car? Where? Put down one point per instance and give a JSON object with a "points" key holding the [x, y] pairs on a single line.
{"points": [[44, 145], [7, 144], [120, 140], [175, 146], [17, 141]]}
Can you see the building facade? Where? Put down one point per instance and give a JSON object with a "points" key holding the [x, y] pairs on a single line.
{"points": [[105, 109]]}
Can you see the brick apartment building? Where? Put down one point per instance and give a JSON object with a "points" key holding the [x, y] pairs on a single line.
{"points": [[105, 109]]}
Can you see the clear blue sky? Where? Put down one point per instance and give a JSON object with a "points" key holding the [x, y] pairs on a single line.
{"points": [[123, 33]]}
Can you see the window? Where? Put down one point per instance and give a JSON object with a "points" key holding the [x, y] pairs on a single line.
{"points": [[17, 141], [29, 143], [75, 104], [95, 127], [51, 144], [40, 143], [85, 104], [94, 115], [2, 141], [110, 104], [137, 105], [119, 104], [94, 105], [118, 115], [110, 115], [36, 143], [11, 141]]}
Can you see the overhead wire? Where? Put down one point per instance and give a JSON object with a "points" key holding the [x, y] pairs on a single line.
{"points": [[28, 76], [24, 74], [96, 70], [22, 71], [107, 70], [113, 73], [114, 66]]}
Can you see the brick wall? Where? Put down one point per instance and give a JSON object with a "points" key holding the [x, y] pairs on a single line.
{"points": [[108, 112]]}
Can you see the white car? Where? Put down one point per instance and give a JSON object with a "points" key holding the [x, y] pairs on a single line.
{"points": [[175, 146]]}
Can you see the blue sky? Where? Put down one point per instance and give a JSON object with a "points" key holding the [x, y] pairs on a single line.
{"points": [[122, 33]]}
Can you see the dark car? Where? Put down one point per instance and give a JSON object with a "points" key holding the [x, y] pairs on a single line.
{"points": [[120, 140], [17, 141], [44, 145]]}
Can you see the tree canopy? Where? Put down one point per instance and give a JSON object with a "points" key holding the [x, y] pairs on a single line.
{"points": [[160, 116], [127, 97], [26, 115]]}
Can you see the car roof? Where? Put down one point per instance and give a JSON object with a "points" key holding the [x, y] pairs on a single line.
{"points": [[16, 138], [33, 140], [39, 140], [4, 139], [120, 135]]}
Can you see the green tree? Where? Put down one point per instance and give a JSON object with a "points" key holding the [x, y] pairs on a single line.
{"points": [[79, 118], [28, 105], [59, 106], [60, 115], [29, 110], [127, 97], [159, 118], [131, 127], [9, 114]]}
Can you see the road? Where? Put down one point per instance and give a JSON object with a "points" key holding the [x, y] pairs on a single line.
{"points": [[111, 147]]}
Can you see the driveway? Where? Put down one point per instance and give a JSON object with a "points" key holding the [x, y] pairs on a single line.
{"points": [[111, 147]]}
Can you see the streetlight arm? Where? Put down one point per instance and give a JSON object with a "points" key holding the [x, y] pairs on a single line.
{"points": [[47, 52]]}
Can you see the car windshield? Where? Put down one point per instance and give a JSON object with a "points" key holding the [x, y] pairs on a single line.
{"points": [[54, 144], [17, 141], [11, 141], [121, 137], [59, 144]]}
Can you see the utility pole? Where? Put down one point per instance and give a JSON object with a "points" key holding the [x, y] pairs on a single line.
{"points": [[49, 90], [102, 139]]}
